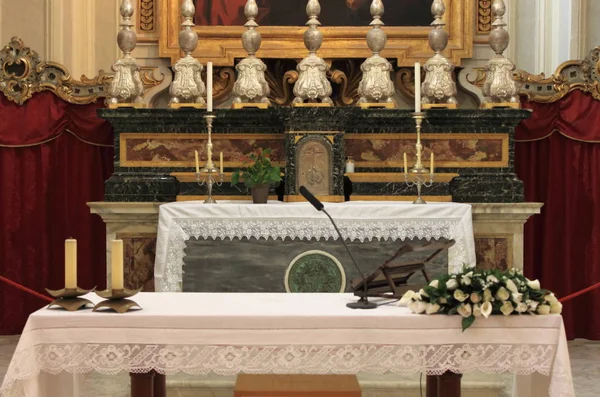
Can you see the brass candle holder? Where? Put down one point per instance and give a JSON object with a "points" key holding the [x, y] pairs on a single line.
{"points": [[70, 298], [209, 175], [418, 175], [116, 300]]}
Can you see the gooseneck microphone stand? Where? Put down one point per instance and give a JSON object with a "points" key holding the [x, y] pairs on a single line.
{"points": [[363, 302]]}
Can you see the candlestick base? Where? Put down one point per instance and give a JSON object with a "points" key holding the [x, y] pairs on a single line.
{"points": [[312, 105], [187, 105], [501, 105], [251, 105], [116, 300], [426, 106], [69, 298], [376, 105], [128, 105]]}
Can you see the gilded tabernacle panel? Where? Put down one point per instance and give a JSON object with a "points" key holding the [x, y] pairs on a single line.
{"points": [[177, 150], [450, 150]]}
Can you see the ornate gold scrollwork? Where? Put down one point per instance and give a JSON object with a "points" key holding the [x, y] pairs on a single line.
{"points": [[571, 75], [484, 16], [23, 73], [147, 16]]}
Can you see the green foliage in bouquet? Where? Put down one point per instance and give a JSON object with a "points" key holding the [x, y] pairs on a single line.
{"points": [[261, 171], [480, 293]]}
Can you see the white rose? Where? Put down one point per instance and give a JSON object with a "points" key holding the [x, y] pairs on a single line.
{"points": [[487, 295], [466, 280], [507, 308], [460, 296], [443, 301], [502, 294], [451, 284], [477, 310], [517, 297], [432, 308], [550, 298], [486, 309], [423, 293], [465, 310], [543, 309], [406, 298], [434, 284], [532, 305], [491, 279], [475, 297], [470, 274], [521, 307], [556, 308], [417, 307], [535, 284], [512, 287]]}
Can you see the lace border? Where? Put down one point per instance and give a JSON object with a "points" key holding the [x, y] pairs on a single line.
{"points": [[111, 359], [356, 230]]}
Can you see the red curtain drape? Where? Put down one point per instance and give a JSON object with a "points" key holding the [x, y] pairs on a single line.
{"points": [[54, 157], [557, 155]]}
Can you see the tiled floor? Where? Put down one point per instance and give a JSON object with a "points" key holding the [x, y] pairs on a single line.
{"points": [[585, 361]]}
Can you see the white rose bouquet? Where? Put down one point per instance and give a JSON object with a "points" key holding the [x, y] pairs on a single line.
{"points": [[476, 293]]}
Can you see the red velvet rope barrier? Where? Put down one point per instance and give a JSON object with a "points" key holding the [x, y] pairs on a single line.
{"points": [[578, 293], [44, 297], [22, 288]]}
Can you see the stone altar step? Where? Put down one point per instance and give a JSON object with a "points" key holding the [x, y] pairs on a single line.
{"points": [[473, 385]]}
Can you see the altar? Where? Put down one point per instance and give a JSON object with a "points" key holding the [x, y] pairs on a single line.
{"points": [[358, 222], [228, 334]]}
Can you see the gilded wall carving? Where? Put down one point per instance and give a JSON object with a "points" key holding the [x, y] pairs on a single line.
{"points": [[147, 16], [484, 16]]}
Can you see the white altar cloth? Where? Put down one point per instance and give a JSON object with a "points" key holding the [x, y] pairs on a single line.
{"points": [[356, 220], [199, 333]]}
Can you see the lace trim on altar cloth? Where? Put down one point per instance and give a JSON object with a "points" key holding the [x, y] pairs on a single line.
{"points": [[111, 359], [355, 230]]}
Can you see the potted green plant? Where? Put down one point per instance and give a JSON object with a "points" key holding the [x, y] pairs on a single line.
{"points": [[258, 175]]}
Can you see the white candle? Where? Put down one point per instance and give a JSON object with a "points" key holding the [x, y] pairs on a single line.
{"points": [[221, 161], [70, 263], [431, 163], [117, 265], [209, 86], [405, 164], [197, 163], [417, 87], [349, 167]]}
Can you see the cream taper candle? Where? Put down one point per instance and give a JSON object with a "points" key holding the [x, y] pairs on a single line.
{"points": [[116, 276], [70, 263], [417, 87], [221, 161], [432, 163], [197, 163], [209, 86], [405, 164]]}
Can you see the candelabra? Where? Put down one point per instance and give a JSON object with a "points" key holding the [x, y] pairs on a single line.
{"points": [[209, 175], [418, 175]]}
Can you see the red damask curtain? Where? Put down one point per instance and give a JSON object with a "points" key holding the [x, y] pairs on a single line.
{"points": [[54, 157], [558, 158]]}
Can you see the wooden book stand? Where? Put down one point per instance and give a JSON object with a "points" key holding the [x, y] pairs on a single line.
{"points": [[390, 280]]}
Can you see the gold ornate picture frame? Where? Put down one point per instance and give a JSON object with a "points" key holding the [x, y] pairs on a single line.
{"points": [[406, 44]]}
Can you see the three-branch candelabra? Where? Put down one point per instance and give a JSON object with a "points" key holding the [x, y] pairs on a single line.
{"points": [[209, 175], [418, 175]]}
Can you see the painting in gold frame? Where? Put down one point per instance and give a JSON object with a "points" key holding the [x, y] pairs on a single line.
{"points": [[221, 44]]}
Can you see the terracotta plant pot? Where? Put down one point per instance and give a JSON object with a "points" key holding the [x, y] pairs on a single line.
{"points": [[260, 193]]}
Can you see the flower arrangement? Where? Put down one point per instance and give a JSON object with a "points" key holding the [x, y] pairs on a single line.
{"points": [[260, 172], [480, 293]]}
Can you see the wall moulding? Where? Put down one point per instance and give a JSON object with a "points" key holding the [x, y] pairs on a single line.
{"points": [[222, 44]]}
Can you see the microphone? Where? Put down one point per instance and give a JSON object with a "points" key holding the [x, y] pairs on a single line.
{"points": [[363, 302]]}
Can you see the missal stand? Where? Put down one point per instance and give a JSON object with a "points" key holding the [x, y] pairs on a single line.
{"points": [[390, 280]]}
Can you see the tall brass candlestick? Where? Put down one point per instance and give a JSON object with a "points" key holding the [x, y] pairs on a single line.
{"points": [[417, 175], [210, 175]]}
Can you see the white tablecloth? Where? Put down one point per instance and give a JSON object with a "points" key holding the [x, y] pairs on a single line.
{"points": [[357, 221], [280, 333]]}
